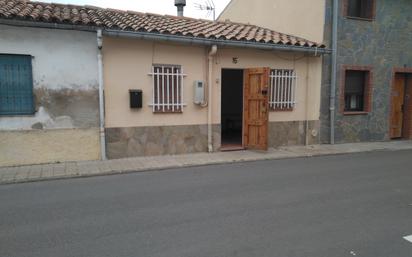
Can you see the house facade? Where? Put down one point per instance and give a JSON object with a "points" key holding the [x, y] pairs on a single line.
{"points": [[152, 130], [161, 85], [48, 95]]}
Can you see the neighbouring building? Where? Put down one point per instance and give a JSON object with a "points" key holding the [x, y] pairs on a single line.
{"points": [[171, 84], [48, 92], [374, 71]]}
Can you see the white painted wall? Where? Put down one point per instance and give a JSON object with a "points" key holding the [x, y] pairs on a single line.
{"points": [[62, 60], [66, 92]]}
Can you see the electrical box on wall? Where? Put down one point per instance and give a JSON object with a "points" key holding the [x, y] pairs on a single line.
{"points": [[199, 94], [136, 98]]}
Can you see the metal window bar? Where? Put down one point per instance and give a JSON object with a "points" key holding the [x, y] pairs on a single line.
{"points": [[173, 90], [157, 100], [283, 89], [167, 88], [181, 91]]}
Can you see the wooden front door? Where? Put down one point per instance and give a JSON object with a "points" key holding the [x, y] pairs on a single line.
{"points": [[255, 108], [398, 100]]}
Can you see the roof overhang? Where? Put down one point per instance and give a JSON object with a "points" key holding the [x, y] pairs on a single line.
{"points": [[210, 42], [170, 38]]}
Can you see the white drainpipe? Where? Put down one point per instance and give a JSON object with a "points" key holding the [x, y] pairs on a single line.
{"points": [[101, 94], [212, 53]]}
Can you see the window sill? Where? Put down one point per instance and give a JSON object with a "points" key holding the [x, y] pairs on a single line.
{"points": [[360, 18], [348, 113], [168, 112], [282, 110]]}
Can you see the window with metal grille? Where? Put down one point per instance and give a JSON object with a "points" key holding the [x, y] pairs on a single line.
{"points": [[16, 85], [282, 89], [167, 91]]}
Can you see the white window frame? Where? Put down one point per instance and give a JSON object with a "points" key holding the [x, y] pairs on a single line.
{"points": [[282, 91], [163, 90]]}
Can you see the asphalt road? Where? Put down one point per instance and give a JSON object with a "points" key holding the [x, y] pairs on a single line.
{"points": [[350, 205]]}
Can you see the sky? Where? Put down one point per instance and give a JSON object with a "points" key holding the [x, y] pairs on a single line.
{"points": [[151, 6]]}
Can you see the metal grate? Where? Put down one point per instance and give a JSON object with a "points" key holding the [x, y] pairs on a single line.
{"points": [[16, 85], [282, 89], [167, 90]]}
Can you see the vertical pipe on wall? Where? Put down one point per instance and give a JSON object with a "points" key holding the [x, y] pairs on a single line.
{"points": [[211, 54], [101, 95], [307, 99], [334, 69]]}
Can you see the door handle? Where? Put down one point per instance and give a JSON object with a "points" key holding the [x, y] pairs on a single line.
{"points": [[264, 109]]}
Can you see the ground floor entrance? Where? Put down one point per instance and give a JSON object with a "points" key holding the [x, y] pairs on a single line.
{"points": [[244, 108], [401, 106]]}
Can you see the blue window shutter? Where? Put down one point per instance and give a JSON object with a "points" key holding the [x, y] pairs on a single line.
{"points": [[16, 85]]}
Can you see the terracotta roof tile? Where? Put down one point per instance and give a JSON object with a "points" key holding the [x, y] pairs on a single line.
{"points": [[143, 22]]}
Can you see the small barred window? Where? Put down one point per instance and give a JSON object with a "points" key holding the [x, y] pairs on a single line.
{"points": [[282, 89], [167, 91]]}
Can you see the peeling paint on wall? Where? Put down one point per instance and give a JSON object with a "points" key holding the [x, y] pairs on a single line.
{"points": [[82, 106], [65, 86], [41, 120], [64, 77]]}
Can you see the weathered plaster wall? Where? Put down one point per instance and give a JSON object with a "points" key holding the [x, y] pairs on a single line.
{"points": [[304, 18], [64, 73], [66, 97], [48, 146], [383, 43]]}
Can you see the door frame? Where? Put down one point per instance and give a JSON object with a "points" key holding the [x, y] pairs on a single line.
{"points": [[397, 70], [242, 147]]}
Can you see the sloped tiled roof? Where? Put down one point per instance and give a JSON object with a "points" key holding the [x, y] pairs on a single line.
{"points": [[144, 22]]}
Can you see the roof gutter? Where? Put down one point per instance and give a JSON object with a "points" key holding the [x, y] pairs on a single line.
{"points": [[46, 25], [211, 42], [168, 37]]}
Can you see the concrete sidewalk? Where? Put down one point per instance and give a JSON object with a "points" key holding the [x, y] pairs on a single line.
{"points": [[21, 174]]}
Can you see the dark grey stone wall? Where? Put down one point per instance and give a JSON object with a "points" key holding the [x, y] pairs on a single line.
{"points": [[384, 43]]}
